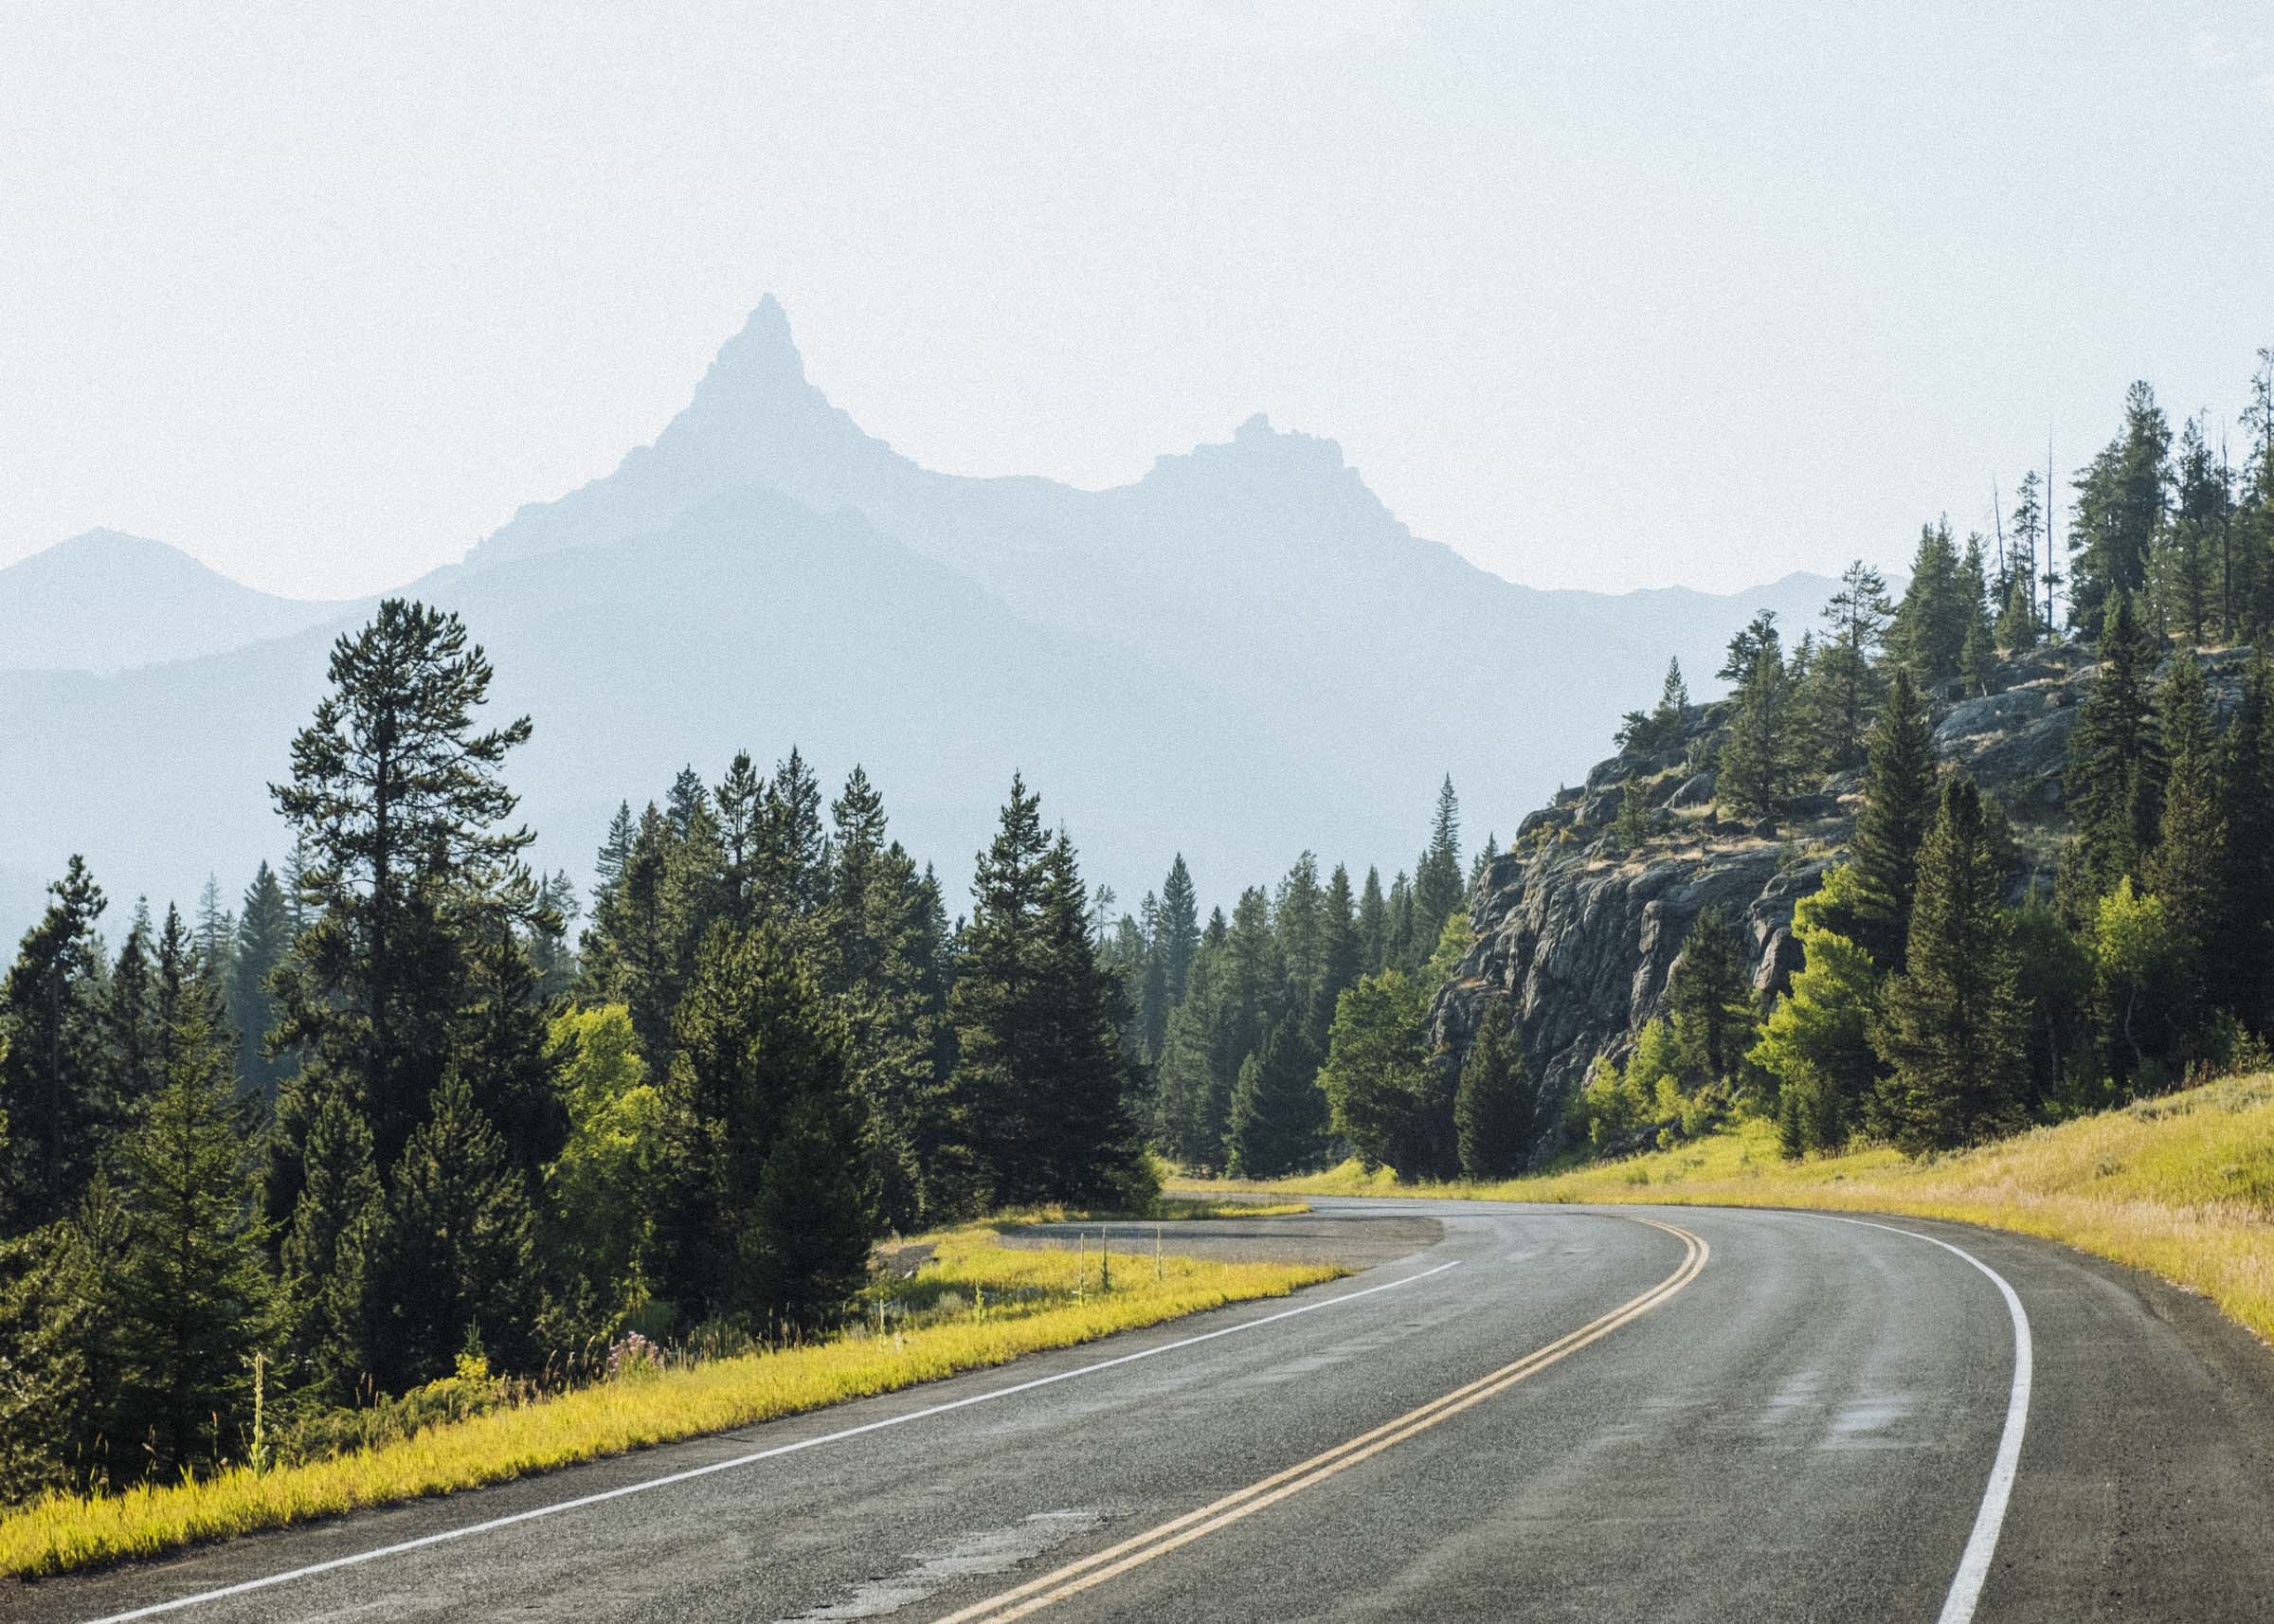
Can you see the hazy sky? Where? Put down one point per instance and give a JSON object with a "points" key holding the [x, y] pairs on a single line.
{"points": [[1602, 294]]}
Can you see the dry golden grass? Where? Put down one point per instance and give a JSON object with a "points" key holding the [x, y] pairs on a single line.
{"points": [[974, 1304], [2182, 1185]]}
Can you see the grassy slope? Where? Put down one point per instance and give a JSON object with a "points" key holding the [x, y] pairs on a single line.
{"points": [[2182, 1185], [1032, 1300]]}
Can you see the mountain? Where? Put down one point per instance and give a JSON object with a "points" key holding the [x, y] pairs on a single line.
{"points": [[1262, 569], [1240, 655], [683, 646], [105, 600]]}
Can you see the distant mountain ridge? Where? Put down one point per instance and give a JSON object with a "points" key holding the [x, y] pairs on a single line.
{"points": [[106, 601], [1241, 655]]}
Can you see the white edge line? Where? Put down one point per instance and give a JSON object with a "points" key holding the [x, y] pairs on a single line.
{"points": [[668, 1479], [1981, 1545]]}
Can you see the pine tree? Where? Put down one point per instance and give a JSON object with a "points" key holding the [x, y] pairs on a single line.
{"points": [[262, 939], [755, 1037], [52, 1089], [1631, 827], [1038, 1020], [1299, 923], [1437, 889], [1344, 958], [498, 1047], [1757, 759], [1672, 707], [2119, 511], [454, 1269], [792, 861], [197, 1297], [739, 811], [134, 1055], [298, 906], [2189, 869], [614, 851], [2187, 571], [892, 996], [1752, 644], [1846, 681], [2018, 627], [1898, 786], [2114, 775], [1496, 1108], [399, 800], [1929, 630], [633, 951], [1373, 926], [1279, 1122], [1711, 999], [328, 1249], [2055, 988], [1192, 1102], [2244, 945], [1977, 649], [216, 935], [1405, 947], [1179, 934], [1950, 1030], [694, 897], [2252, 545], [815, 1215], [46, 1399]]}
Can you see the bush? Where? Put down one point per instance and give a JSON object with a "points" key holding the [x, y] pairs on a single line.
{"points": [[469, 1390]]}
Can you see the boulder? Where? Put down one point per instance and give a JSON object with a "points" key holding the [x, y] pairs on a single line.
{"points": [[1695, 790]]}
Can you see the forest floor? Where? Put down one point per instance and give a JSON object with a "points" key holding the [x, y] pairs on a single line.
{"points": [[957, 1300], [2181, 1185]]}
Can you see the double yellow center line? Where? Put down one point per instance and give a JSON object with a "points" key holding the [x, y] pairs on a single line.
{"points": [[1094, 1570]]}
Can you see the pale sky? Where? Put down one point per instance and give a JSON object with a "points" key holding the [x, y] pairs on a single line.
{"points": [[1604, 294]]}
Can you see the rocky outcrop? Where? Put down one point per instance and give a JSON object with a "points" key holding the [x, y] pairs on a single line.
{"points": [[1581, 935]]}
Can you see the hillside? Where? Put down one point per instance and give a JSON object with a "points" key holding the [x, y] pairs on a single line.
{"points": [[1582, 934], [107, 602]]}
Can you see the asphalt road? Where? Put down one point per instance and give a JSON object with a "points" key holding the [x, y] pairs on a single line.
{"points": [[1542, 1413]]}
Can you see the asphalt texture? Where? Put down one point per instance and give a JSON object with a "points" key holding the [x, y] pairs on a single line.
{"points": [[1804, 1427]]}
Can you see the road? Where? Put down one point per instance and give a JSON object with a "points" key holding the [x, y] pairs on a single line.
{"points": [[1542, 1413]]}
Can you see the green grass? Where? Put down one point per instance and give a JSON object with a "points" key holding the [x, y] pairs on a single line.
{"points": [[972, 1304], [2182, 1185]]}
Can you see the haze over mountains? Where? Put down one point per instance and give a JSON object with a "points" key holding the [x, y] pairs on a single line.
{"points": [[1240, 655], [105, 600]]}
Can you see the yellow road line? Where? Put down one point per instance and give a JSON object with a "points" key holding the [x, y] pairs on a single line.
{"points": [[1111, 1562]]}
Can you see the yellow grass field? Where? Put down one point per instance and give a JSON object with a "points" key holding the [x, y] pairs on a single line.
{"points": [[2182, 1184], [973, 1304]]}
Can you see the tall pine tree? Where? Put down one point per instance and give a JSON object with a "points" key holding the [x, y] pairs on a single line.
{"points": [[1950, 1028], [1897, 805]]}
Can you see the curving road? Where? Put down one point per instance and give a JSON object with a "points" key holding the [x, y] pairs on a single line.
{"points": [[1524, 1413]]}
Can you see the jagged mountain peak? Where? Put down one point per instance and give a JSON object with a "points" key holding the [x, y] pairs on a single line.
{"points": [[1256, 447], [765, 350], [754, 392]]}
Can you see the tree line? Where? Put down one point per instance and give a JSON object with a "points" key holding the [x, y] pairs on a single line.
{"points": [[1933, 1009], [1233, 1019], [384, 1129]]}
